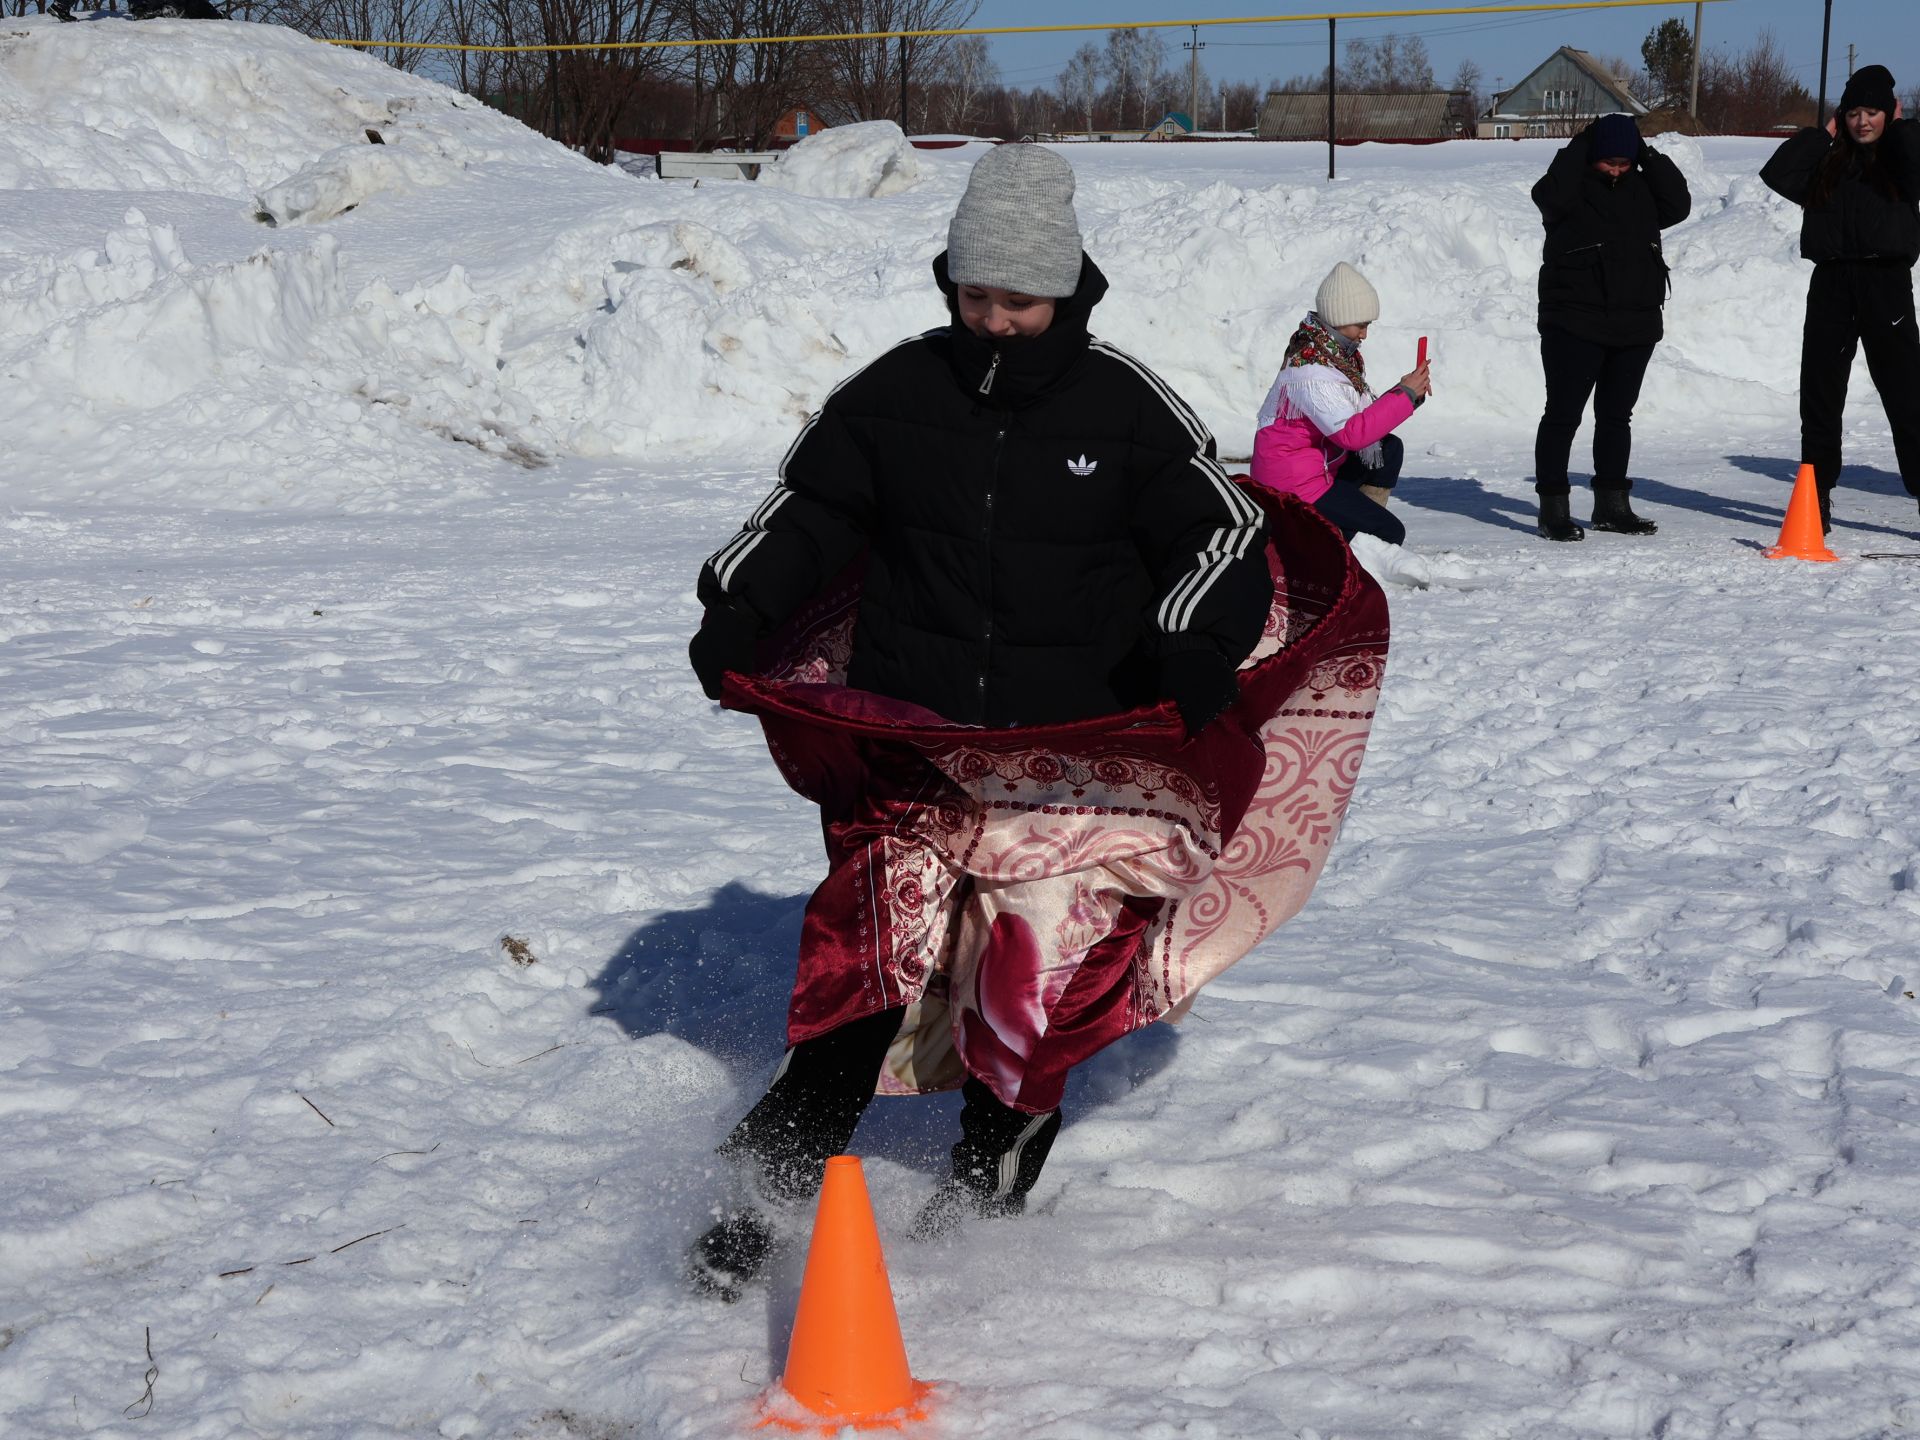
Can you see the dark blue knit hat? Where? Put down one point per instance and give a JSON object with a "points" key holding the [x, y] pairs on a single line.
{"points": [[1616, 137]]}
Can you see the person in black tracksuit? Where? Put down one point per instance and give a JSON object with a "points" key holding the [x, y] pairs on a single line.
{"points": [[1603, 280], [1857, 182], [1048, 537]]}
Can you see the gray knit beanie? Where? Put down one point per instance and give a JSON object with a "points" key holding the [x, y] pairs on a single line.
{"points": [[1015, 228], [1346, 298]]}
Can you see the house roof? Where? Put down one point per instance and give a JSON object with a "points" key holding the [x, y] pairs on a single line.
{"points": [[1588, 66], [1358, 115]]}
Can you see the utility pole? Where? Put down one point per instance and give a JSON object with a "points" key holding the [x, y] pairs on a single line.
{"points": [[1693, 98], [1193, 80], [1826, 30], [1333, 85], [903, 79], [1849, 62]]}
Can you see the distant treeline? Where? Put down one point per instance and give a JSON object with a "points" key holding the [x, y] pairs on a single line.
{"points": [[739, 94]]}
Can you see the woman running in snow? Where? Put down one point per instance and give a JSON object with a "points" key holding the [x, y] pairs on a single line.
{"points": [[1857, 180], [1047, 538], [1319, 415], [1604, 200]]}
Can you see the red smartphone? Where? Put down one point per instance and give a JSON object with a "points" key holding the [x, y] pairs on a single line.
{"points": [[1423, 353]]}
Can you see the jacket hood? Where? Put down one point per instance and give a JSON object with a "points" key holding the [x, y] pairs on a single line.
{"points": [[1023, 370]]}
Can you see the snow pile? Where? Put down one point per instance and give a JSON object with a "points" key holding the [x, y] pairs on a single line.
{"points": [[613, 317], [135, 325], [853, 162], [641, 392], [227, 110], [346, 176]]}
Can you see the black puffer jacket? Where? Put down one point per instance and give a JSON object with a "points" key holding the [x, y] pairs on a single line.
{"points": [[1602, 275], [1044, 522], [1857, 221]]}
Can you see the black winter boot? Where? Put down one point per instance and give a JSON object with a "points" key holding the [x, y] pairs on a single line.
{"points": [[1612, 512], [730, 1256], [781, 1147], [1555, 522], [997, 1161], [1826, 509]]}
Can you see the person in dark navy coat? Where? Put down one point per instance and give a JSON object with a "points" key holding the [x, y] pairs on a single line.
{"points": [[1603, 280]]}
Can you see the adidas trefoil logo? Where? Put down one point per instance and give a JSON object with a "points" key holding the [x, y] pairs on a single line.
{"points": [[1083, 466]]}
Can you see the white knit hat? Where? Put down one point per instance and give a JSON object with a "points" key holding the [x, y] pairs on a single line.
{"points": [[1346, 298]]}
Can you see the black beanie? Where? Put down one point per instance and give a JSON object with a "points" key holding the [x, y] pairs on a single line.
{"points": [[1615, 137], [1871, 87]]}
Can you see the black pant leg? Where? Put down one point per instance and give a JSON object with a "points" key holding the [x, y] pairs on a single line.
{"points": [[1355, 514], [1572, 368], [1001, 1150], [1393, 454], [810, 1110], [1888, 334], [1828, 341], [1614, 396]]}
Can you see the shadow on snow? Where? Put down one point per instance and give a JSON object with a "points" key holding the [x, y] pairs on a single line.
{"points": [[1472, 500], [719, 977]]}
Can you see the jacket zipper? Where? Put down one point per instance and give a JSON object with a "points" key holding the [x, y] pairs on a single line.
{"points": [[986, 385], [986, 634]]}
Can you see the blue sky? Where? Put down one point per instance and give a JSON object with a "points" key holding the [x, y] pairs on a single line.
{"points": [[1506, 46]]}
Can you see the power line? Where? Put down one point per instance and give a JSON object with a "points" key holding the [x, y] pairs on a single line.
{"points": [[697, 44]]}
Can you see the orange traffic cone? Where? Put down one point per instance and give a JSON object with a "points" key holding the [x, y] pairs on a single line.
{"points": [[846, 1363], [1801, 537]]}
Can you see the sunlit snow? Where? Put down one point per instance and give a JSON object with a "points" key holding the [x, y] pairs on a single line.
{"points": [[346, 570]]}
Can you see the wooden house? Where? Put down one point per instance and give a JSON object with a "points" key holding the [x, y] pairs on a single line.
{"points": [[1561, 97]]}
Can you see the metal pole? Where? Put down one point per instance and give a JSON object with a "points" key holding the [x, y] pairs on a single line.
{"points": [[1826, 29], [1333, 85], [1693, 100], [1193, 81]]}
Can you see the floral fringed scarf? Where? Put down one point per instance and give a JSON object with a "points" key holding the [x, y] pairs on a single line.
{"points": [[1317, 343]]}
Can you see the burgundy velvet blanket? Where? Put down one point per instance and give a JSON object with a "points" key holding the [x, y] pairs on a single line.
{"points": [[1032, 894]]}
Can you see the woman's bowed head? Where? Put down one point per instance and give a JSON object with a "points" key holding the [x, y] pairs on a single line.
{"points": [[1866, 106], [996, 314], [1615, 145], [1013, 246]]}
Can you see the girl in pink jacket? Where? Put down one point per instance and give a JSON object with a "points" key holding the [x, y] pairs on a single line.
{"points": [[1320, 413]]}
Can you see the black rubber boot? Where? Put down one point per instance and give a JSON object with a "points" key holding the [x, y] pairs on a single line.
{"points": [[998, 1160], [1555, 522], [1612, 512]]}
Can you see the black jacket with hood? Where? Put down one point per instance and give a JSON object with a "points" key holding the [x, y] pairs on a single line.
{"points": [[1602, 274], [1044, 522], [1857, 221]]}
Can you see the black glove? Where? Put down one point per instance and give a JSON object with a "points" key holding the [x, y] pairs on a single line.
{"points": [[727, 640], [1201, 683]]}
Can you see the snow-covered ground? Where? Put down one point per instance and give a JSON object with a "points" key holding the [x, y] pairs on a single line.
{"points": [[388, 928]]}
